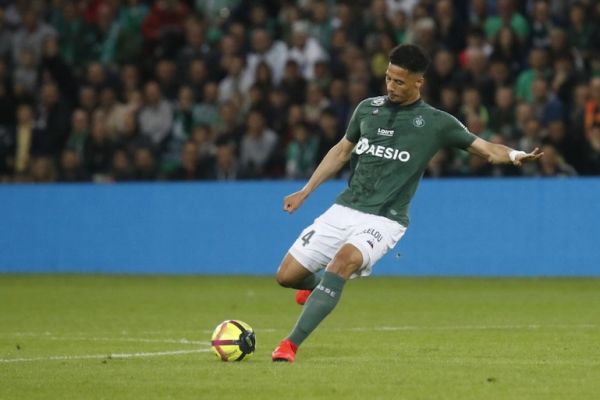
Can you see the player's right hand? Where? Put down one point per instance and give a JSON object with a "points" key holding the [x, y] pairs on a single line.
{"points": [[293, 201]]}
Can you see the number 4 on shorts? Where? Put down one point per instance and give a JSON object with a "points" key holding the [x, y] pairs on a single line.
{"points": [[306, 237]]}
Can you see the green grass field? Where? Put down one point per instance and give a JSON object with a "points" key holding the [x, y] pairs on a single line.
{"points": [[97, 337]]}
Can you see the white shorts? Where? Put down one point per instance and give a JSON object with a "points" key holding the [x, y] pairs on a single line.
{"points": [[372, 234]]}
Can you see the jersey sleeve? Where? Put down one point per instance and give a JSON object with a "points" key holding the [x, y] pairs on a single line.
{"points": [[454, 133], [353, 129]]}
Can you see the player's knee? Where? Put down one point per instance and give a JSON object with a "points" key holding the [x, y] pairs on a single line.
{"points": [[284, 279], [346, 262]]}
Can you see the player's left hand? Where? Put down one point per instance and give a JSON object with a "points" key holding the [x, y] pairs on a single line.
{"points": [[534, 155]]}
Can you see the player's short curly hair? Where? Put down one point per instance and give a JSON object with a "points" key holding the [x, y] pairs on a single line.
{"points": [[410, 57]]}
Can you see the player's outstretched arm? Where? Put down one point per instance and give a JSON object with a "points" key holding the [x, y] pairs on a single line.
{"points": [[333, 161], [500, 154]]}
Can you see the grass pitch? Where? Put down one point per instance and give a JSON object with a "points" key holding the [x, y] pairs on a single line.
{"points": [[98, 337]]}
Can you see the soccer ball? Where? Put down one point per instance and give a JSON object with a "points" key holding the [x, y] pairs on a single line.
{"points": [[233, 340]]}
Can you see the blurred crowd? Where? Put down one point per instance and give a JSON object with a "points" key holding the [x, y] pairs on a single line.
{"points": [[133, 90]]}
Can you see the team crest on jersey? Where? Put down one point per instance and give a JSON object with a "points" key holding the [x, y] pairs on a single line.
{"points": [[378, 101], [418, 121]]}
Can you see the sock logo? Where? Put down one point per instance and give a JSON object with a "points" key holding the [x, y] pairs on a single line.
{"points": [[327, 291]]}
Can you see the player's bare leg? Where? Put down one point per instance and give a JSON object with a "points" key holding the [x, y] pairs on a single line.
{"points": [[323, 300], [292, 274]]}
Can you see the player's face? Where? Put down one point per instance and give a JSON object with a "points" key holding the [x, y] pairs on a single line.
{"points": [[403, 86]]}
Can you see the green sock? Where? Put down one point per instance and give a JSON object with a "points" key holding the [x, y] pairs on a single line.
{"points": [[320, 303], [310, 282]]}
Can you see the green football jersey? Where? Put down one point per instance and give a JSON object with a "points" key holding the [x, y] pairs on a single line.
{"points": [[393, 147]]}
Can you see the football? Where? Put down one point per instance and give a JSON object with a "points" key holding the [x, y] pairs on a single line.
{"points": [[233, 340]]}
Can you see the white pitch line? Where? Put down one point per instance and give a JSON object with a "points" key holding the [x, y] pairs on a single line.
{"points": [[468, 327], [104, 356], [122, 339]]}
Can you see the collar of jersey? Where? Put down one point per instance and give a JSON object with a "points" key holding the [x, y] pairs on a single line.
{"points": [[394, 105]]}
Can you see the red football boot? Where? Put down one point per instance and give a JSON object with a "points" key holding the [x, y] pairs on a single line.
{"points": [[302, 296], [285, 352]]}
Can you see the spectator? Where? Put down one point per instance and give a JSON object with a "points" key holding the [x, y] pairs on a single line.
{"points": [[508, 50], [121, 168], [144, 165], [592, 107], [156, 115], [129, 79], [183, 122], [506, 15], [79, 133], [564, 78], [532, 138], [338, 102], [95, 76], [70, 168], [559, 47], [563, 142], [235, 82], [42, 170], [591, 153], [106, 32], [26, 142], [305, 50], [541, 24], [580, 31], [316, 102], [293, 83], [425, 32], [302, 154], [74, 34], [88, 100], [31, 35], [189, 170], [321, 24], [257, 146], [502, 117], [195, 47], [225, 164], [163, 27], [5, 37], [329, 133], [476, 73], [265, 49], [53, 119], [53, 64], [204, 139], [229, 122], [207, 111], [553, 165], [165, 74], [198, 77], [538, 68], [130, 41], [98, 151], [129, 137], [450, 29], [472, 105], [25, 72], [546, 106], [263, 79], [442, 72], [110, 112], [450, 99]]}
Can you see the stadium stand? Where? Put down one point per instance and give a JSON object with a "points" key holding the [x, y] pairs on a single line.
{"points": [[131, 90]]}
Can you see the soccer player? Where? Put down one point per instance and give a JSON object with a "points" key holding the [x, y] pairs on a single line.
{"points": [[389, 140]]}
